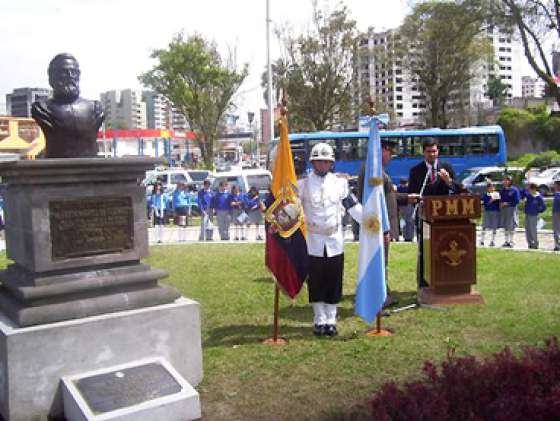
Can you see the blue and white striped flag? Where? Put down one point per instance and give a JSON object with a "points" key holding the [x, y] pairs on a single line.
{"points": [[371, 291]]}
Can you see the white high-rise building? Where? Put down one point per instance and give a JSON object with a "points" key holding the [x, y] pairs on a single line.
{"points": [[532, 87], [380, 75], [125, 109]]}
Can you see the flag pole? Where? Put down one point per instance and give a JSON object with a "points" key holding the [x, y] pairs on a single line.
{"points": [[275, 340], [377, 331]]}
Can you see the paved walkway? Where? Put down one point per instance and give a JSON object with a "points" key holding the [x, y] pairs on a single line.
{"points": [[171, 235]]}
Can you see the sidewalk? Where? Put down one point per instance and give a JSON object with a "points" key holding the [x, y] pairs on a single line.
{"points": [[171, 236]]}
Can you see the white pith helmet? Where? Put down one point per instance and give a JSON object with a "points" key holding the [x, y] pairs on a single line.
{"points": [[322, 152]]}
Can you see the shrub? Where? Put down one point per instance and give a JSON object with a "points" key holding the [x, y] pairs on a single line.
{"points": [[503, 387]]}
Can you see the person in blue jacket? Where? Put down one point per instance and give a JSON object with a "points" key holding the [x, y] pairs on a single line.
{"points": [[158, 206], [221, 205], [238, 214], [254, 208], [509, 199], [534, 205], [181, 205], [491, 217], [205, 196], [556, 215]]}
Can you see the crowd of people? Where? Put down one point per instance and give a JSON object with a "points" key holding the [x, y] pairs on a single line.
{"points": [[501, 211], [226, 208]]}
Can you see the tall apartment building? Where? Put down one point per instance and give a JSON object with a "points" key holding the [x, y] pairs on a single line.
{"points": [[125, 109], [18, 103], [532, 87], [380, 74], [156, 110]]}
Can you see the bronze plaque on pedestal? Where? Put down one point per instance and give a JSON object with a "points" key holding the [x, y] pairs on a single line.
{"points": [[91, 226]]}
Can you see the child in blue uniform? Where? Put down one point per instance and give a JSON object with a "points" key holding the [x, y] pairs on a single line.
{"points": [[180, 202], [491, 218], [221, 204], [204, 199], [534, 204], [254, 208], [509, 199], [238, 215], [158, 205], [556, 215]]}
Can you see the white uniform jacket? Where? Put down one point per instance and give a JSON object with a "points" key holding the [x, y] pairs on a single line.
{"points": [[321, 198]]}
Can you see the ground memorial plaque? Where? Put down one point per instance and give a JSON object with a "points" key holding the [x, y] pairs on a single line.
{"points": [[149, 389], [91, 226]]}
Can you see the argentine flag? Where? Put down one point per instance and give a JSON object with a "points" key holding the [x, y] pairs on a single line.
{"points": [[371, 291]]}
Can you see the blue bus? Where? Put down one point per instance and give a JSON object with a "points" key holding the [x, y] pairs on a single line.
{"points": [[464, 148]]}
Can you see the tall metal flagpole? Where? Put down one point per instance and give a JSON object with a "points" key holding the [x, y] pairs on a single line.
{"points": [[269, 70]]}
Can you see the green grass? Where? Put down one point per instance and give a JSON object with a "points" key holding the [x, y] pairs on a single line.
{"points": [[326, 379]]}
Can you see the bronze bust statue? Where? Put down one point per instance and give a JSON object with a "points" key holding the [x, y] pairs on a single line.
{"points": [[70, 123]]}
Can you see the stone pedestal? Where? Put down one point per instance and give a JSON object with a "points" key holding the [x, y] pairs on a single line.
{"points": [[34, 359], [76, 230], [77, 297]]}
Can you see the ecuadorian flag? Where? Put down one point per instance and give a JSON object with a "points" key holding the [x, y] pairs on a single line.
{"points": [[371, 291], [286, 249]]}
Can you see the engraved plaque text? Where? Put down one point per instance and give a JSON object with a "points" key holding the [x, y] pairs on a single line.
{"points": [[91, 226]]}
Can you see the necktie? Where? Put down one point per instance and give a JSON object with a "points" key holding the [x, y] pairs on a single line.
{"points": [[433, 176]]}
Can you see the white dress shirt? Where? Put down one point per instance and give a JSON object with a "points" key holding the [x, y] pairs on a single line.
{"points": [[321, 198]]}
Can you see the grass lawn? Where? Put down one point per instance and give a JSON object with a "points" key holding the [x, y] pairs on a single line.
{"points": [[327, 379]]}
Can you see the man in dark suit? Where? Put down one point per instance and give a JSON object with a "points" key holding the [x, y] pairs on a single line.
{"points": [[431, 177]]}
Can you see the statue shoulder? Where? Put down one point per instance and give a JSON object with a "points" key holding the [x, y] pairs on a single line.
{"points": [[41, 111], [98, 108]]}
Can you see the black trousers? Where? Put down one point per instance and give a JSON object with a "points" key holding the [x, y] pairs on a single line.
{"points": [[420, 260], [325, 278]]}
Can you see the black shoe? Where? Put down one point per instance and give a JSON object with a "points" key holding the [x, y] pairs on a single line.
{"points": [[319, 330], [330, 330]]}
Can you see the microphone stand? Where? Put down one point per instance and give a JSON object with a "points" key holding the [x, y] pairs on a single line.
{"points": [[418, 304]]}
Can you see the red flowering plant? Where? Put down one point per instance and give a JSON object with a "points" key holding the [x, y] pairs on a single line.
{"points": [[502, 387]]}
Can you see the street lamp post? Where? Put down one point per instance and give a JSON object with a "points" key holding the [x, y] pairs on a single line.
{"points": [[250, 118]]}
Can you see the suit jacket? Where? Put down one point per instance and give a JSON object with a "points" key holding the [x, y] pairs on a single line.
{"points": [[439, 188]]}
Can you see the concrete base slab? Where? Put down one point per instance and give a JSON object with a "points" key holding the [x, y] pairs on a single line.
{"points": [[34, 359], [141, 390], [429, 296]]}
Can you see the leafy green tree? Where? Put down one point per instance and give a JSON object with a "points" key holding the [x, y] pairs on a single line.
{"points": [[538, 25], [496, 90], [316, 71], [200, 84], [442, 49]]}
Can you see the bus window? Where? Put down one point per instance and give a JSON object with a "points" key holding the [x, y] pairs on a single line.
{"points": [[492, 144], [417, 145], [450, 145], [474, 144], [352, 149], [404, 147]]}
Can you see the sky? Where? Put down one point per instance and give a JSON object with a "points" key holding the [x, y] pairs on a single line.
{"points": [[112, 39]]}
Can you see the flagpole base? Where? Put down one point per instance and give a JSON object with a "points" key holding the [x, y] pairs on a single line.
{"points": [[380, 332], [275, 342]]}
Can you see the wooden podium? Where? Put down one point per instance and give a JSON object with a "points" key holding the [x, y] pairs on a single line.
{"points": [[449, 249]]}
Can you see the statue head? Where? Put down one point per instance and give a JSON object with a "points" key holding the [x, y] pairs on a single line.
{"points": [[64, 77]]}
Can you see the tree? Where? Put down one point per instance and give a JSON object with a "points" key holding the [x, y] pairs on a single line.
{"points": [[200, 84], [538, 23], [442, 49], [496, 90], [316, 71]]}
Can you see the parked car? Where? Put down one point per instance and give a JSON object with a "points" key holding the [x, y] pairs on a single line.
{"points": [[198, 177], [245, 179], [545, 180], [168, 177], [475, 179]]}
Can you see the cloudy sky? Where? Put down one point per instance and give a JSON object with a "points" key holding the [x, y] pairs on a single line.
{"points": [[112, 39]]}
